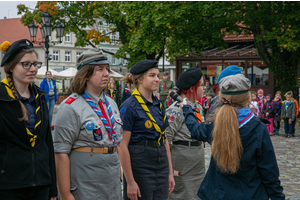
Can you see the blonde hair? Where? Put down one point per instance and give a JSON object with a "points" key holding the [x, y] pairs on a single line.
{"points": [[227, 147], [127, 79], [289, 93], [8, 67]]}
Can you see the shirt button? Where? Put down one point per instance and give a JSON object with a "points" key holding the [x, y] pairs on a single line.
{"points": [[2, 171]]}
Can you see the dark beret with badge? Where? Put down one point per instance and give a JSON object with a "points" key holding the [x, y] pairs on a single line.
{"points": [[12, 50], [92, 56], [189, 78], [142, 66]]}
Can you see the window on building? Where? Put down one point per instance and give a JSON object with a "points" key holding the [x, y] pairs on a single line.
{"points": [[78, 54], [68, 37], [68, 56], [55, 56], [113, 60]]}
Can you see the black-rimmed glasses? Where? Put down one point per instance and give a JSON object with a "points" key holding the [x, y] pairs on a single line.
{"points": [[27, 65]]}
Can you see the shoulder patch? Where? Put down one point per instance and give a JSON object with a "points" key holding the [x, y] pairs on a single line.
{"points": [[70, 100]]}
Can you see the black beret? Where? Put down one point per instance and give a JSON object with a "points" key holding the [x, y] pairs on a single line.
{"points": [[189, 78], [142, 66], [16, 48]]}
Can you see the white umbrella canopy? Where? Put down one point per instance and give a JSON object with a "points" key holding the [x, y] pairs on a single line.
{"points": [[115, 75], [68, 73], [42, 71]]}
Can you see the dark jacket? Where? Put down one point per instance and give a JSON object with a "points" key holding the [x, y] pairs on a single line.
{"points": [[258, 175], [269, 107], [290, 112], [126, 94], [22, 165], [44, 86], [115, 96]]}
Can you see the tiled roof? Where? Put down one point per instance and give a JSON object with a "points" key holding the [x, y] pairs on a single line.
{"points": [[234, 38], [12, 30]]}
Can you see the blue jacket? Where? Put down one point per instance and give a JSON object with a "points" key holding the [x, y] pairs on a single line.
{"points": [[258, 175], [125, 94], [44, 86]]}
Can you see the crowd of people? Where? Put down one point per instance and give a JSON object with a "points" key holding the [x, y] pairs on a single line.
{"points": [[157, 141]]}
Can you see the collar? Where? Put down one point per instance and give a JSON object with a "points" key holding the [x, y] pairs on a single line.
{"points": [[155, 101], [245, 115], [95, 98], [30, 99]]}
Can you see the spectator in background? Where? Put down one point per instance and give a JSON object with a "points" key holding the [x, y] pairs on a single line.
{"points": [[216, 89], [113, 92], [49, 86], [164, 86], [208, 88], [127, 91]]}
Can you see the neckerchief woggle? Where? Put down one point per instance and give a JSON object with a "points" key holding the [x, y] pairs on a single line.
{"points": [[110, 127], [138, 97], [245, 115], [9, 92]]}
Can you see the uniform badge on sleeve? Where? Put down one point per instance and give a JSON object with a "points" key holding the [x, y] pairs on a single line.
{"points": [[148, 124], [97, 134], [89, 125]]}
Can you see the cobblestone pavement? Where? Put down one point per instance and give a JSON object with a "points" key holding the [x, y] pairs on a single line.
{"points": [[288, 158], [287, 152]]}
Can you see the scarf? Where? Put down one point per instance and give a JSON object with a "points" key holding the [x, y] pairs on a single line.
{"points": [[110, 127], [245, 115], [38, 108], [138, 97]]}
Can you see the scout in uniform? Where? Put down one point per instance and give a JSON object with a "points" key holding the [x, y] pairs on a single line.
{"points": [[243, 163], [27, 165], [144, 151], [164, 86], [187, 153], [87, 132]]}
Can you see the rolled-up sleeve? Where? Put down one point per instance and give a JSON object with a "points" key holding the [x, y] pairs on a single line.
{"points": [[66, 129]]}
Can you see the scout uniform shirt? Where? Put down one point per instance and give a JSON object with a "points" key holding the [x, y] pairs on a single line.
{"points": [[93, 175], [169, 86]]}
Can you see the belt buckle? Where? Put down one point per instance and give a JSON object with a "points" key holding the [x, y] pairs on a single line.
{"points": [[110, 150], [156, 143]]}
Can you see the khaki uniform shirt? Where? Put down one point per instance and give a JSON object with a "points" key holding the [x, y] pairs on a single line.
{"points": [[178, 131], [170, 85], [71, 131]]}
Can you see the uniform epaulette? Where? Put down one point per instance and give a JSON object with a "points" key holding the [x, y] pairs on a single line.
{"points": [[70, 100]]}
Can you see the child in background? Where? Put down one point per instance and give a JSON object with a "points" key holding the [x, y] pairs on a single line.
{"points": [[209, 96], [253, 105], [261, 102], [202, 100], [169, 101], [268, 110], [277, 104], [288, 110], [296, 114]]}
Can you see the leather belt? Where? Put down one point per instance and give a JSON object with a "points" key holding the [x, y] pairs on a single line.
{"points": [[187, 143], [153, 143], [104, 150]]}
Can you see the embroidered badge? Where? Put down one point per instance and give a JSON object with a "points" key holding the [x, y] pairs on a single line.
{"points": [[177, 119], [89, 125], [148, 124], [123, 110], [178, 114], [97, 134], [172, 118], [174, 113], [70, 100], [99, 122]]}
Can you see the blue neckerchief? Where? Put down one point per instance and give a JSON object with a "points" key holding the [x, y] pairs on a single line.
{"points": [[245, 115]]}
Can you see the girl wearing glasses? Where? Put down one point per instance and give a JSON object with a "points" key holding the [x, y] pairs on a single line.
{"points": [[27, 167]]}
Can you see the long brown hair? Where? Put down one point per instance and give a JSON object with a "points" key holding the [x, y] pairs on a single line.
{"points": [[10, 65], [78, 84], [227, 147]]}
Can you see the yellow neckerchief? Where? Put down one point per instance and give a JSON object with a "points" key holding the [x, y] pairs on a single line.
{"points": [[198, 115], [112, 93], [138, 97], [9, 92]]}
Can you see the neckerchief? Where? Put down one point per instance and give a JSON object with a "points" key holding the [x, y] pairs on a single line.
{"points": [[198, 115], [110, 127], [38, 108], [245, 115], [138, 97], [112, 93]]}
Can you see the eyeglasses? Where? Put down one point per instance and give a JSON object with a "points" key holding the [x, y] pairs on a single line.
{"points": [[27, 65]]}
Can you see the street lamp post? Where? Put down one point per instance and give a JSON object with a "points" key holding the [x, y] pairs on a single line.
{"points": [[46, 31]]}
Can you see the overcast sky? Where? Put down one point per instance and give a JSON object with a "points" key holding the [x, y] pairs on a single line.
{"points": [[9, 8]]}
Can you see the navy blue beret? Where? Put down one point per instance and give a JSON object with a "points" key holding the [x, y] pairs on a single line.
{"points": [[14, 49], [143, 65], [189, 78]]}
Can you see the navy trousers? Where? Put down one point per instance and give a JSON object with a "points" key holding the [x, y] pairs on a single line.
{"points": [[288, 128], [31, 193]]}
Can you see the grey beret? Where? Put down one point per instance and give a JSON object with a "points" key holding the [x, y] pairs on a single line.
{"points": [[93, 56], [234, 84]]}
